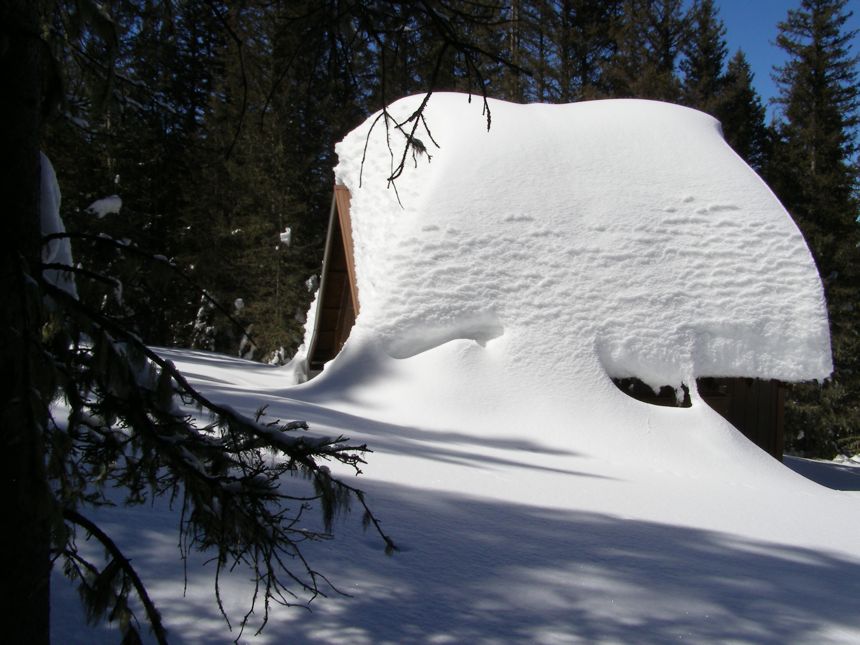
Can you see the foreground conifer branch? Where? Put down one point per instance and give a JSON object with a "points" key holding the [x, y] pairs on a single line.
{"points": [[234, 477]]}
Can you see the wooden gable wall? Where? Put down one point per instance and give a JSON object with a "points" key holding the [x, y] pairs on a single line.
{"points": [[338, 296], [753, 406]]}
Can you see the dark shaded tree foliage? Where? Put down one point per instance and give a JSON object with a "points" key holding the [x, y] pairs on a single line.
{"points": [[704, 58], [24, 383], [134, 424], [582, 45], [138, 86], [742, 114], [814, 171], [649, 37]]}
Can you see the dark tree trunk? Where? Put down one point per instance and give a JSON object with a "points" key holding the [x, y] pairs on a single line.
{"points": [[24, 495]]}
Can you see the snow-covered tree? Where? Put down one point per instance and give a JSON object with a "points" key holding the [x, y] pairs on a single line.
{"points": [[203, 330]]}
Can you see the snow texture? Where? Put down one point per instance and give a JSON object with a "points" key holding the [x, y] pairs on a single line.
{"points": [[520, 532], [105, 206], [625, 233], [57, 251], [286, 237]]}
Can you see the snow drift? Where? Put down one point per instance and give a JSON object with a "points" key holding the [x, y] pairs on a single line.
{"points": [[532, 501], [624, 232], [514, 271]]}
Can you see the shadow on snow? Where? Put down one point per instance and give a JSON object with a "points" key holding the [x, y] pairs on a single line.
{"points": [[478, 571]]}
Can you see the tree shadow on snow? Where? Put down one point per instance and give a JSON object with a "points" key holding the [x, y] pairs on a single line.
{"points": [[475, 571], [826, 473], [441, 445], [478, 571], [483, 571]]}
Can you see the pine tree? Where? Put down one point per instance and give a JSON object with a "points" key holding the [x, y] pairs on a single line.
{"points": [[730, 95], [815, 174], [131, 123], [539, 45], [648, 36], [704, 56], [584, 45], [742, 115]]}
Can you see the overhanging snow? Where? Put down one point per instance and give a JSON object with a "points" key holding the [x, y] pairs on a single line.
{"points": [[621, 235]]}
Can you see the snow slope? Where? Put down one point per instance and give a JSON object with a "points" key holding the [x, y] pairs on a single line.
{"points": [[525, 538], [531, 500]]}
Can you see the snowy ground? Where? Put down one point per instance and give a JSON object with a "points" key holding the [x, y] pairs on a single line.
{"points": [[515, 540], [532, 501]]}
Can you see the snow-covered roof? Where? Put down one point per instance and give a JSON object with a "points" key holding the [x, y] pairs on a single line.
{"points": [[622, 236], [533, 502]]}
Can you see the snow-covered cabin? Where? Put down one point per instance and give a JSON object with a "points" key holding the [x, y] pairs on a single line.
{"points": [[575, 244]]}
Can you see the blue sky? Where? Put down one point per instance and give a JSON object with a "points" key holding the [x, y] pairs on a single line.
{"points": [[751, 26]]}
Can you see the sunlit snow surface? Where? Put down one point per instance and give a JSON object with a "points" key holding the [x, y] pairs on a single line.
{"points": [[532, 501], [526, 538], [625, 232]]}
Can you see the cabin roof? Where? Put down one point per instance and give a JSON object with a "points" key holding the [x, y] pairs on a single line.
{"points": [[338, 303], [624, 232]]}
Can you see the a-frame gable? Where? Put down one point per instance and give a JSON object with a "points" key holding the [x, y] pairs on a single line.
{"points": [[338, 303]]}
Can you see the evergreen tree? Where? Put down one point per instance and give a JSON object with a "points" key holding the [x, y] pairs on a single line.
{"points": [[704, 56], [237, 195], [307, 118], [729, 95], [648, 37], [130, 125], [815, 174], [742, 115], [529, 46], [539, 50], [518, 25], [585, 45]]}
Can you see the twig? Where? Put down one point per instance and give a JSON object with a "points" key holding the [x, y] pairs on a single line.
{"points": [[124, 563]]}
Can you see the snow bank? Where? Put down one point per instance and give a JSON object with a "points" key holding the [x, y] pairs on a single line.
{"points": [[621, 237], [57, 251], [110, 205], [532, 538]]}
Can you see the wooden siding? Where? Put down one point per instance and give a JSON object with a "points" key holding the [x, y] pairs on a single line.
{"points": [[342, 199], [338, 297], [756, 408], [753, 406]]}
